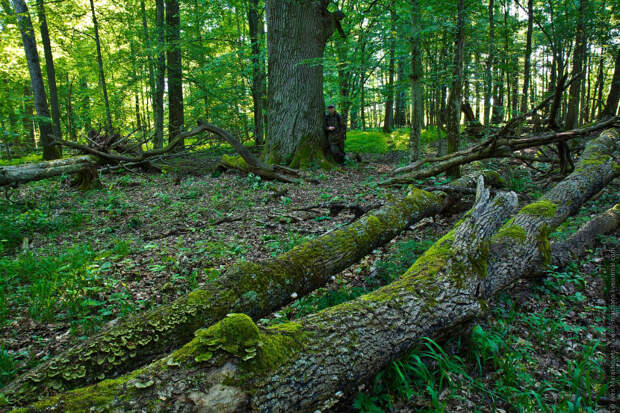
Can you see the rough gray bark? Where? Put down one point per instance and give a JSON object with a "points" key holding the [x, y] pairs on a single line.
{"points": [[297, 33], [104, 89], [312, 364], [256, 289], [176, 118], [15, 175], [50, 151], [51, 72]]}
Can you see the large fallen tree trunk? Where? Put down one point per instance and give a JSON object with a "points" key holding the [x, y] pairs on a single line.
{"points": [[495, 147], [312, 364], [256, 289], [14, 175]]}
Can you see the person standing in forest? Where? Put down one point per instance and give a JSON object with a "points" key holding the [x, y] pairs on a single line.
{"points": [[336, 133]]}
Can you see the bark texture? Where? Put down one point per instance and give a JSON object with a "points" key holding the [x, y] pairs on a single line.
{"points": [[312, 364], [256, 289], [297, 33]]}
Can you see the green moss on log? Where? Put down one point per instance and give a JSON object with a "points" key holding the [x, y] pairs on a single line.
{"points": [[511, 232], [236, 162], [542, 208]]}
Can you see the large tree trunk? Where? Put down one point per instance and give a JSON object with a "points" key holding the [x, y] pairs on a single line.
{"points": [[175, 71], [453, 118], [51, 72], [311, 364], [50, 151], [611, 108], [256, 289], [417, 104], [579, 56], [259, 89], [297, 33]]}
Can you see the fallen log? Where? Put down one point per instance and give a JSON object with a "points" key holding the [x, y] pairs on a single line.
{"points": [[491, 148], [312, 364], [256, 289], [18, 174]]}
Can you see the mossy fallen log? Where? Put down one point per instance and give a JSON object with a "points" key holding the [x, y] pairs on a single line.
{"points": [[254, 288], [18, 174], [312, 364]]}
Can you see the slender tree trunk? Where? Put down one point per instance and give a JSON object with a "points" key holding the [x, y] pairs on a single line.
{"points": [[344, 81], [149, 57], [258, 73], [401, 96], [388, 120], [160, 71], [417, 104], [595, 89], [51, 72], [85, 104], [611, 107], [50, 151], [70, 114], [454, 99], [528, 56], [108, 114], [490, 65], [27, 116], [572, 115], [298, 31], [175, 71]]}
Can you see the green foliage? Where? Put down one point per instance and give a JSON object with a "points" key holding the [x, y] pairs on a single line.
{"points": [[377, 141], [27, 219], [432, 376], [67, 285]]}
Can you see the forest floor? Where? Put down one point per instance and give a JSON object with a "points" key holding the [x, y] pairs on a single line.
{"points": [[72, 261]]}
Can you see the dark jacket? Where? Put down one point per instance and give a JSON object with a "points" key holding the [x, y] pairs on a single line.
{"points": [[336, 121]]}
